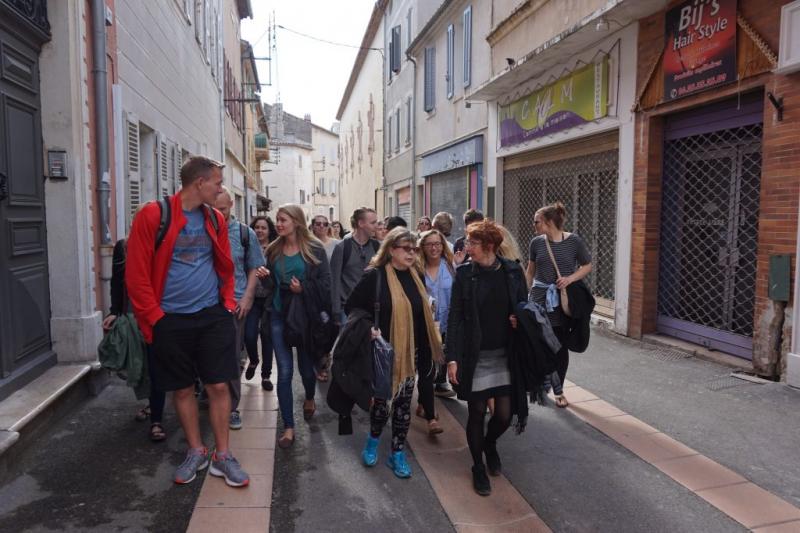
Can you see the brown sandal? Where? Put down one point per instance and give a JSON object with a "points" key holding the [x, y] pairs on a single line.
{"points": [[561, 401], [285, 442], [157, 433], [434, 428], [308, 412]]}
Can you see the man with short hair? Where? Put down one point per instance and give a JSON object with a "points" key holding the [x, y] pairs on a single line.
{"points": [[395, 222], [179, 276], [247, 260], [443, 221], [351, 257], [470, 217]]}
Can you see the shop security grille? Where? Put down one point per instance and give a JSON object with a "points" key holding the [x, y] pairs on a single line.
{"points": [[587, 186], [449, 193], [709, 230]]}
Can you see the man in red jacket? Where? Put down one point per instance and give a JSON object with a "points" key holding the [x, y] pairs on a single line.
{"points": [[181, 289]]}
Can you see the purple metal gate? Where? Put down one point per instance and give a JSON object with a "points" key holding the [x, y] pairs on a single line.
{"points": [[709, 225]]}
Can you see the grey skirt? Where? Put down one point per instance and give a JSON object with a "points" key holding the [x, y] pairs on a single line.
{"points": [[491, 370]]}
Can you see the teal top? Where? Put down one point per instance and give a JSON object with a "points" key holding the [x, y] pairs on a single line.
{"points": [[285, 268]]}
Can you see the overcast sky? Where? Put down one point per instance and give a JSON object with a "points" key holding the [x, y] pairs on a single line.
{"points": [[310, 75]]}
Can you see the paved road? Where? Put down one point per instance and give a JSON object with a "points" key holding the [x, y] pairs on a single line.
{"points": [[95, 470]]}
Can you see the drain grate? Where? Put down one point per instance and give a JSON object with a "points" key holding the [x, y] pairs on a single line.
{"points": [[667, 354], [728, 381]]}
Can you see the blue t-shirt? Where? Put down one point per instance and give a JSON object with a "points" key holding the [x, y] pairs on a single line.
{"points": [[192, 283], [254, 259]]}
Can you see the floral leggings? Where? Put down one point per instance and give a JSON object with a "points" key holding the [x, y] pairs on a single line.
{"points": [[401, 415]]}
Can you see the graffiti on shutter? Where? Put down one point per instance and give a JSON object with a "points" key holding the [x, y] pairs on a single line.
{"points": [[177, 162]]}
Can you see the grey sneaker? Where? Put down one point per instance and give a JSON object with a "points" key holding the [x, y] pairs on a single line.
{"points": [[235, 420], [195, 461], [228, 467]]}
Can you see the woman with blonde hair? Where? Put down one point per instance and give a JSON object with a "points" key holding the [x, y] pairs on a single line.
{"points": [[509, 247], [298, 263], [406, 321]]}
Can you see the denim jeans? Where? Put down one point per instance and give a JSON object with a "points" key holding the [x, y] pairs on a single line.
{"points": [[285, 361], [258, 325]]}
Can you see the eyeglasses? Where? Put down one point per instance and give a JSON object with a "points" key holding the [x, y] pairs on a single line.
{"points": [[408, 249], [471, 243], [323, 224], [432, 245]]}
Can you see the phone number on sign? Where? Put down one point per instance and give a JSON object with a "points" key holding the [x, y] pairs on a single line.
{"points": [[702, 84]]}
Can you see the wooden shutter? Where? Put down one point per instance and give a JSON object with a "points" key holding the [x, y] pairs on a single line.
{"points": [[409, 119], [430, 75], [467, 19], [397, 130], [177, 163], [132, 166], [198, 21], [389, 136], [395, 47], [451, 43], [163, 184], [207, 34]]}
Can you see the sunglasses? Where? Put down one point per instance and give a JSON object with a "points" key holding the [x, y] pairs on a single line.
{"points": [[323, 224], [408, 248]]}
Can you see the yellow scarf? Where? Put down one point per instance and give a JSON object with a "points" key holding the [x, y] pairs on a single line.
{"points": [[401, 332]]}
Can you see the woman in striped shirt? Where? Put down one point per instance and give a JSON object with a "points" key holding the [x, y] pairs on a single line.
{"points": [[574, 263]]}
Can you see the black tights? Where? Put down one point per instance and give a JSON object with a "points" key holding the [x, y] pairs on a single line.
{"points": [[498, 424]]}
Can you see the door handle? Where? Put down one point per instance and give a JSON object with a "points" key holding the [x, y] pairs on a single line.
{"points": [[3, 186]]}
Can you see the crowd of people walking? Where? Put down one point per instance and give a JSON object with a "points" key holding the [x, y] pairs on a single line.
{"points": [[375, 311]]}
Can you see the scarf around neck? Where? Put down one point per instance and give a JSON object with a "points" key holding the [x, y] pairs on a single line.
{"points": [[401, 332]]}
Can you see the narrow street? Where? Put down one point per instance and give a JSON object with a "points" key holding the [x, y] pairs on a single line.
{"points": [[96, 471]]}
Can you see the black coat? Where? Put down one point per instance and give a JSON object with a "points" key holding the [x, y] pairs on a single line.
{"points": [[581, 305], [351, 371], [305, 312], [464, 329], [537, 357]]}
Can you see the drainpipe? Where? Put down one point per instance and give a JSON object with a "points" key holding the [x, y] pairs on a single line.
{"points": [[100, 76], [411, 222]]}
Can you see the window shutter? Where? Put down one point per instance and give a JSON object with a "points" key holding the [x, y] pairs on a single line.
{"points": [[397, 130], [322, 186], [177, 163], [451, 41], [468, 46], [163, 184], [408, 28], [132, 165], [430, 75], [187, 10], [389, 137], [207, 34], [198, 21], [395, 49], [409, 119]]}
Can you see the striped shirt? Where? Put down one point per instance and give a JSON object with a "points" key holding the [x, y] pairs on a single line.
{"points": [[570, 254]]}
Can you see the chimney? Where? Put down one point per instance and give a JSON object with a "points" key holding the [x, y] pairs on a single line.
{"points": [[307, 117]]}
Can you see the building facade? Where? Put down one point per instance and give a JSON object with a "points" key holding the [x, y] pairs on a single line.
{"points": [[715, 190], [360, 117], [451, 132], [325, 169], [288, 175]]}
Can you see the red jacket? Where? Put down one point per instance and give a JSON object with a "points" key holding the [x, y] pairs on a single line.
{"points": [[147, 268]]}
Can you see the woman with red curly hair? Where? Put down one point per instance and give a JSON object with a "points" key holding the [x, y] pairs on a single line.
{"points": [[485, 292]]}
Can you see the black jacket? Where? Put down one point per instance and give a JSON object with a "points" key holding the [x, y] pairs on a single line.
{"points": [[538, 358], [581, 304], [351, 371], [304, 312], [464, 330]]}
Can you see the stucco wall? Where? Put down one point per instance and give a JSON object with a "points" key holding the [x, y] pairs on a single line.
{"points": [[361, 178]]}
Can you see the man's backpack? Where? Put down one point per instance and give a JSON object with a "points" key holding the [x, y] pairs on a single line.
{"points": [[165, 209], [348, 249]]}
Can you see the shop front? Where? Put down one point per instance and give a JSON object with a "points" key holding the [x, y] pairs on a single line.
{"points": [[454, 180], [716, 166]]}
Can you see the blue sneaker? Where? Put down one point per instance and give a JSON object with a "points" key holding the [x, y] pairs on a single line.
{"points": [[397, 462], [370, 453]]}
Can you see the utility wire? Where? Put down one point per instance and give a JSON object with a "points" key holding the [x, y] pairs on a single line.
{"points": [[325, 40]]}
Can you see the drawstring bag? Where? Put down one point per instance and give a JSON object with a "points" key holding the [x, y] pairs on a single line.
{"points": [[562, 292], [382, 354]]}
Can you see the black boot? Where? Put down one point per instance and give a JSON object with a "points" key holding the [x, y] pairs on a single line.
{"points": [[493, 459], [480, 480]]}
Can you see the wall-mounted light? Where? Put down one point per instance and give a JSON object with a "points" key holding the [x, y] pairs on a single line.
{"points": [[602, 25]]}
